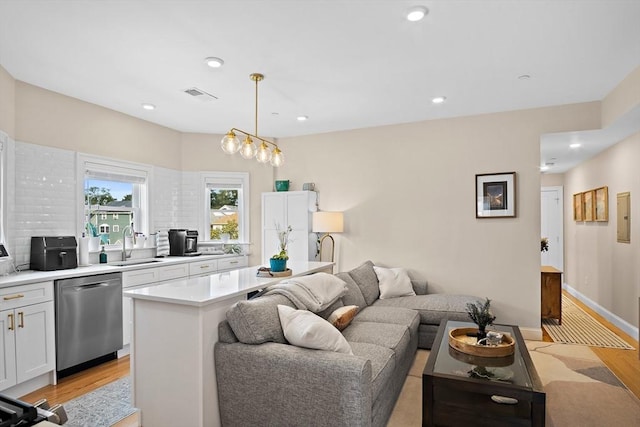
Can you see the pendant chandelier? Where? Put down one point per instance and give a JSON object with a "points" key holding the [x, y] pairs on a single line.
{"points": [[248, 149]]}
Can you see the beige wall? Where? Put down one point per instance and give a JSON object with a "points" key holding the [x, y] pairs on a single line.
{"points": [[551, 180], [623, 98], [596, 265], [7, 103], [408, 195], [48, 118]]}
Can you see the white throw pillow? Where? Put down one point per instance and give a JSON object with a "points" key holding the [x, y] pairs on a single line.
{"points": [[394, 282], [305, 329]]}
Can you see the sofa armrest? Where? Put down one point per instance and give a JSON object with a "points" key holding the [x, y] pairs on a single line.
{"points": [[284, 385], [419, 287]]}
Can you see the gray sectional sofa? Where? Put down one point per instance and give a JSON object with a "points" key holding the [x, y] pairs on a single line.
{"points": [[265, 381]]}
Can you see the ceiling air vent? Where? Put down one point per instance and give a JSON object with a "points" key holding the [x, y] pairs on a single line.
{"points": [[200, 94]]}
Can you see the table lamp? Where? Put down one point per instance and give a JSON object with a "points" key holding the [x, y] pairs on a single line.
{"points": [[327, 222]]}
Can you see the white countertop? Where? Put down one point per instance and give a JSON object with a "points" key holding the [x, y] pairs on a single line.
{"points": [[201, 291], [33, 276]]}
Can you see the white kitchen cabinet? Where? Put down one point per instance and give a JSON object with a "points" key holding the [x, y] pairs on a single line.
{"points": [[289, 208], [232, 263], [200, 268], [28, 338]]}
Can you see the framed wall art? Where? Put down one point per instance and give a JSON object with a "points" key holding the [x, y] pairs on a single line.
{"points": [[602, 204], [589, 205], [624, 217], [496, 195], [578, 207]]}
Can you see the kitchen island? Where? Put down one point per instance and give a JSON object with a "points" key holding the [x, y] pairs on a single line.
{"points": [[174, 330]]}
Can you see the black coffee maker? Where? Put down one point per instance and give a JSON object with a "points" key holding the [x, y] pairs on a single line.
{"points": [[183, 242]]}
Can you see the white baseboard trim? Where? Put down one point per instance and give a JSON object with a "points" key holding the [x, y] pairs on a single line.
{"points": [[627, 327], [532, 334]]}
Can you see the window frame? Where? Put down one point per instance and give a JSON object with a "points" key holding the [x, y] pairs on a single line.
{"points": [[211, 179], [142, 214]]}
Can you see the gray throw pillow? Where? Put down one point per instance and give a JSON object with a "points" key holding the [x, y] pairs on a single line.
{"points": [[256, 321], [366, 279]]}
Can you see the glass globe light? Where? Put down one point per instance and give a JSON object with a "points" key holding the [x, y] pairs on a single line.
{"points": [[248, 149], [264, 154], [230, 143], [277, 159]]}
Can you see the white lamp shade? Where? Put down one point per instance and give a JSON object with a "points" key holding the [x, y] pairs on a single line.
{"points": [[328, 222]]}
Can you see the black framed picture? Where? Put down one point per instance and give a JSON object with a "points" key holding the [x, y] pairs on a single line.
{"points": [[495, 195]]}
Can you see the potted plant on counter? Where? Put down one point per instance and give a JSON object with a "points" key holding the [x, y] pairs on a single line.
{"points": [[278, 262]]}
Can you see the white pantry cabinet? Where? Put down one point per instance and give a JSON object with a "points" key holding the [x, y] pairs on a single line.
{"points": [[289, 208], [27, 347]]}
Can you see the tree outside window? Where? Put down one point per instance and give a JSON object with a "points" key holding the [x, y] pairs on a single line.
{"points": [[224, 213]]}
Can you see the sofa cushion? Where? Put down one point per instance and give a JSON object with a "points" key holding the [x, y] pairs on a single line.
{"points": [[367, 281], [395, 315], [383, 365], [256, 321], [393, 282], [388, 335], [342, 316], [354, 294], [433, 308], [303, 328]]}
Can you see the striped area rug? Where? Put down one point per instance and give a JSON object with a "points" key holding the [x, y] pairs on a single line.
{"points": [[578, 327]]}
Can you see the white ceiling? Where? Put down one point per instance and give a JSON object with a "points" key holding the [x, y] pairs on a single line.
{"points": [[345, 64]]}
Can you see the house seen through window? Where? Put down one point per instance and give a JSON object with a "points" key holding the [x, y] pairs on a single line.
{"points": [[226, 203], [224, 213], [108, 209]]}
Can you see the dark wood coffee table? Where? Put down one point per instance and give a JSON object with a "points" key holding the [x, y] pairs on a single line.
{"points": [[460, 389]]}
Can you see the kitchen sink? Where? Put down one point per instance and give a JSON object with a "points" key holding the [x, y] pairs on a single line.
{"points": [[134, 262]]}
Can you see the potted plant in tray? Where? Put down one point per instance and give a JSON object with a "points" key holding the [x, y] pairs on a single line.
{"points": [[278, 262], [481, 315]]}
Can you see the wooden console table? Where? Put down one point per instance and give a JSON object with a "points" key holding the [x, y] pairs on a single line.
{"points": [[551, 293]]}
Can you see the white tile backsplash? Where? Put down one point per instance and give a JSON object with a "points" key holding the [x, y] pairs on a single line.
{"points": [[45, 196], [42, 194]]}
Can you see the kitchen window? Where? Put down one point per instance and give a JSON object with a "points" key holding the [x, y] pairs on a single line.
{"points": [[115, 195], [226, 206]]}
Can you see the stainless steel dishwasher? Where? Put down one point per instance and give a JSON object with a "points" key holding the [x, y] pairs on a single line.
{"points": [[88, 319]]}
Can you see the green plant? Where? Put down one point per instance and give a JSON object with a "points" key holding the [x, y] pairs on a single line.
{"points": [[544, 244], [283, 238], [481, 313]]}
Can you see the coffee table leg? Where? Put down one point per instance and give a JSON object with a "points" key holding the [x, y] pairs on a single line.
{"points": [[427, 401]]}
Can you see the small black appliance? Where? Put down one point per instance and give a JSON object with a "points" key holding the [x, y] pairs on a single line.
{"points": [[183, 242], [53, 253]]}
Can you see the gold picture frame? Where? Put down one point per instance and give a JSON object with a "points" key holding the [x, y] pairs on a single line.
{"points": [[589, 205], [601, 204], [578, 207]]}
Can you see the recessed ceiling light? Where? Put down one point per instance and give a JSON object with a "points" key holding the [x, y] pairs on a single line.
{"points": [[302, 118], [524, 77], [417, 13], [213, 62], [148, 106], [575, 145], [439, 99], [544, 168]]}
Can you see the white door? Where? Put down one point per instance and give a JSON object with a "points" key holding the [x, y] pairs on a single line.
{"points": [[551, 227]]}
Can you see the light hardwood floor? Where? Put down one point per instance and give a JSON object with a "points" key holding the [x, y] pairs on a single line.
{"points": [[625, 364]]}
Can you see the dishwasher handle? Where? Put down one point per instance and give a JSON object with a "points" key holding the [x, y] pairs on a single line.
{"points": [[90, 286]]}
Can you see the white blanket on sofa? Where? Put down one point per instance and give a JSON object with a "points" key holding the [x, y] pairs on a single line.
{"points": [[315, 292]]}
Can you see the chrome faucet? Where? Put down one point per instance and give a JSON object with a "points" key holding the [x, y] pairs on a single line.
{"points": [[132, 234]]}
